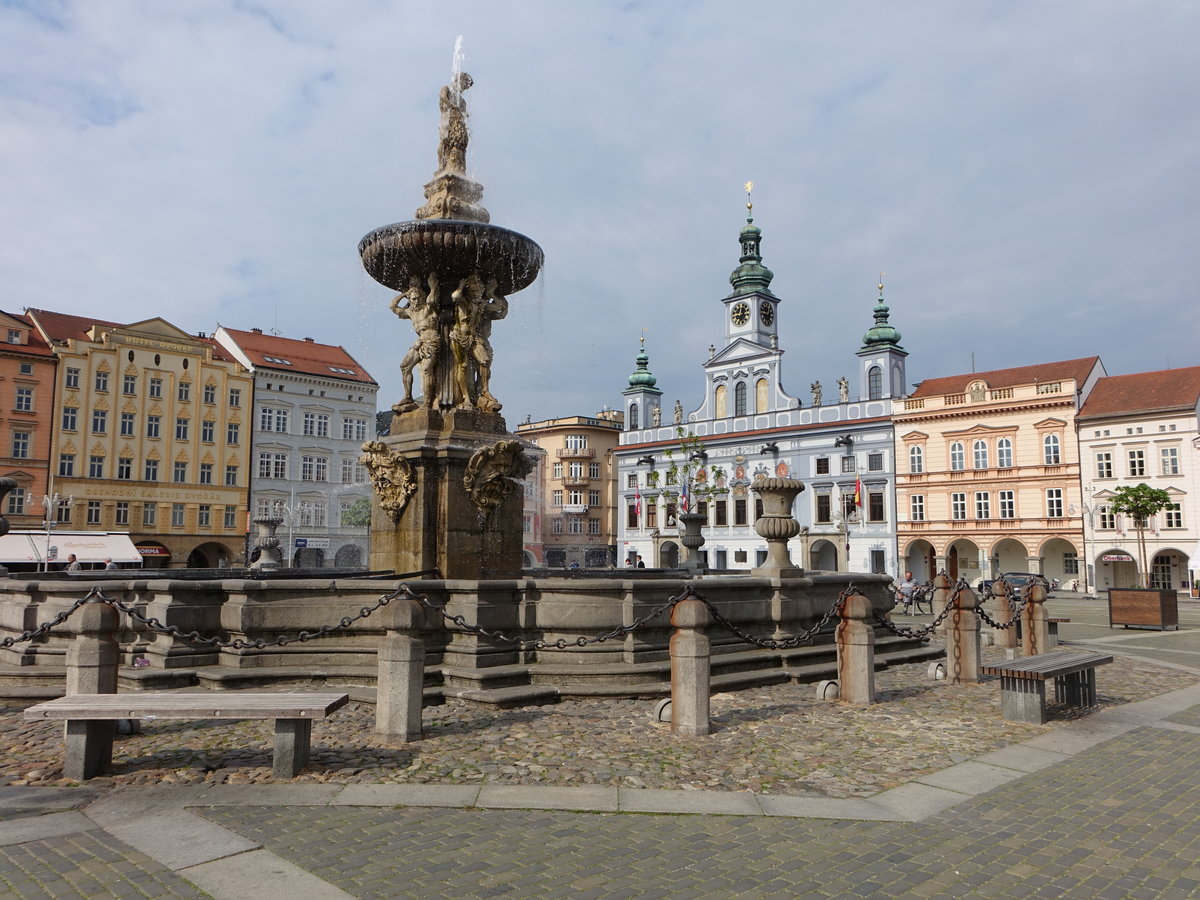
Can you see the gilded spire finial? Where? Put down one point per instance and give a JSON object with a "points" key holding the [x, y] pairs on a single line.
{"points": [[643, 338], [881, 274], [749, 202]]}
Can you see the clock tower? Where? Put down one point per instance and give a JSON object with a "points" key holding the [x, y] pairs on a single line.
{"points": [[751, 310]]}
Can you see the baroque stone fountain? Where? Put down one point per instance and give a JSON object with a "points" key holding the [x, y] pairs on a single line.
{"points": [[446, 475]]}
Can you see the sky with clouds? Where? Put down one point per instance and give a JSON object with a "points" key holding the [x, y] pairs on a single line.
{"points": [[1027, 174]]}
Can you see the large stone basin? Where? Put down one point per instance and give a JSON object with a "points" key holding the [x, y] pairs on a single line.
{"points": [[454, 249]]}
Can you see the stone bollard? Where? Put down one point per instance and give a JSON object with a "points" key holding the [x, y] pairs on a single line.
{"points": [[92, 660], [1002, 612], [855, 636], [1035, 630], [689, 668], [400, 685], [962, 638], [941, 596]]}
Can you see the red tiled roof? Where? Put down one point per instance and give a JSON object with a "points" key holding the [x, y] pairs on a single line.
{"points": [[1144, 392], [62, 327], [1077, 369], [37, 345], [266, 350]]}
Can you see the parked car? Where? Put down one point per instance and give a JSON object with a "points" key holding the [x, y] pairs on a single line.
{"points": [[1018, 580], [984, 586]]}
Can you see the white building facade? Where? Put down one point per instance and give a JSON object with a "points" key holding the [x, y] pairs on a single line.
{"points": [[839, 444], [1135, 429], [314, 407]]}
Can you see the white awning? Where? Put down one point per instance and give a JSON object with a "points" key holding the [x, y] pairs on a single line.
{"points": [[88, 547]]}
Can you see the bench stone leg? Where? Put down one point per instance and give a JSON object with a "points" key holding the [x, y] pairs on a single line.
{"points": [[1022, 700], [291, 746], [1076, 689], [1052, 629], [89, 744]]}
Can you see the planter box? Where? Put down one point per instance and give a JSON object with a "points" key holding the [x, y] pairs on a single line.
{"points": [[1135, 606]]}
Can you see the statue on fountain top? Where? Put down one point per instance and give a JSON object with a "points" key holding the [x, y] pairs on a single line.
{"points": [[452, 148]]}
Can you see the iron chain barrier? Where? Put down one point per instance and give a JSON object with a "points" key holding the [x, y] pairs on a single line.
{"points": [[98, 596]]}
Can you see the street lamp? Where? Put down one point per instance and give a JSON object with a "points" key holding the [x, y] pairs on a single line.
{"points": [[51, 505], [1090, 510]]}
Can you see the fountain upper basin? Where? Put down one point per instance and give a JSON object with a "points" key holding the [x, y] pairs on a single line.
{"points": [[454, 249]]}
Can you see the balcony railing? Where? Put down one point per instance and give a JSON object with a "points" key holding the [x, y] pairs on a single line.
{"points": [[575, 453], [575, 481]]}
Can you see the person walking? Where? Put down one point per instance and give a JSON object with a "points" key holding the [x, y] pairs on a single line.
{"points": [[109, 565], [73, 563]]}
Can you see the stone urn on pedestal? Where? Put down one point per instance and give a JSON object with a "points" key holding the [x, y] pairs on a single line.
{"points": [[446, 476], [269, 556], [777, 525], [691, 537]]}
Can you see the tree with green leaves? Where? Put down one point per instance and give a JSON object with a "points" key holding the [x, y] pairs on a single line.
{"points": [[358, 513], [1141, 502], [687, 468]]}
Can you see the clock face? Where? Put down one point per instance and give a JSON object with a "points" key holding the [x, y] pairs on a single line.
{"points": [[740, 314], [766, 313]]}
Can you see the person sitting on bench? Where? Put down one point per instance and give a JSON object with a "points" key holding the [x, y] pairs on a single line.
{"points": [[905, 591]]}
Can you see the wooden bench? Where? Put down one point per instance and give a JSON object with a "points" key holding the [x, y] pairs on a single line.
{"points": [[91, 721], [1023, 682]]}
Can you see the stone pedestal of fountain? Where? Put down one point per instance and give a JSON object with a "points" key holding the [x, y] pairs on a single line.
{"points": [[777, 525], [447, 501]]}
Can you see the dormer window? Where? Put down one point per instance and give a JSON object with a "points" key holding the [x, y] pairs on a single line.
{"points": [[14, 336]]}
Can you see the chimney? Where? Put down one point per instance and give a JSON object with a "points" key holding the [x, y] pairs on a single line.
{"points": [[201, 334], [310, 340], [256, 331]]}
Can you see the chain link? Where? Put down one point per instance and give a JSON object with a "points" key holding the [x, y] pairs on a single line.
{"points": [[771, 643], [917, 633], [45, 627], [561, 643]]}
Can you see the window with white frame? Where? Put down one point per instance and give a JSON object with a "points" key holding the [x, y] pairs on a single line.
{"points": [[979, 454], [1170, 460], [575, 441], [1173, 515], [20, 445], [149, 514], [208, 430], [1054, 503], [70, 418], [631, 480], [185, 391], [210, 393], [556, 525], [129, 384], [916, 460], [233, 433], [1007, 501], [156, 388], [121, 513], [1004, 453], [1106, 519], [128, 424], [124, 468], [24, 399], [230, 517], [181, 429], [99, 421], [177, 510], [204, 516], [1137, 463], [983, 505], [66, 465], [16, 502], [153, 425], [71, 378], [848, 465], [958, 505], [1070, 563], [957, 457], [179, 473], [235, 396], [593, 526], [1051, 450], [593, 498], [206, 473], [93, 512], [556, 470], [556, 498], [95, 466], [593, 470], [101, 382], [231, 476], [916, 507], [1104, 464]]}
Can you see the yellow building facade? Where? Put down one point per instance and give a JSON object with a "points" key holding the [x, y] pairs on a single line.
{"points": [[988, 472], [151, 437]]}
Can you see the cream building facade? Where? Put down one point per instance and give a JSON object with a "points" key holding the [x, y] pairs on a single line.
{"points": [[578, 522], [989, 476]]}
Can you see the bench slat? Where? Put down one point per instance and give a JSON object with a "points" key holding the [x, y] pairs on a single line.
{"points": [[1044, 666], [214, 705]]}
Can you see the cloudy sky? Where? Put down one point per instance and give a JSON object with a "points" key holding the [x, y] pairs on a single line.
{"points": [[1027, 173]]}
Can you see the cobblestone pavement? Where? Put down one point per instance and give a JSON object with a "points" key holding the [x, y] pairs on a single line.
{"points": [[777, 740], [1074, 831], [928, 793]]}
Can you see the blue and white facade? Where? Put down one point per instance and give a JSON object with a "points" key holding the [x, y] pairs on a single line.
{"points": [[841, 439]]}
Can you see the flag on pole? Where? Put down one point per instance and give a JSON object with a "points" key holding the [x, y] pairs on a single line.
{"points": [[683, 497], [858, 493], [637, 502]]}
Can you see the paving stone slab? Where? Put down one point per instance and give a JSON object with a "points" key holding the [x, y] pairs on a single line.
{"points": [[458, 796], [1023, 758], [179, 839], [738, 803], [270, 794], [826, 808], [39, 827], [917, 801], [25, 797], [971, 778], [1073, 739], [260, 874], [516, 796]]}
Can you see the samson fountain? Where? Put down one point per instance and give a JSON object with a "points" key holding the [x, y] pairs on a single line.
{"points": [[446, 476]]}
